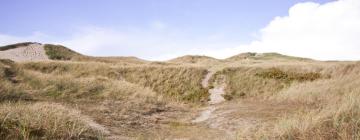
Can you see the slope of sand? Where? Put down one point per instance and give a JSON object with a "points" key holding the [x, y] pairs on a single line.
{"points": [[32, 52]]}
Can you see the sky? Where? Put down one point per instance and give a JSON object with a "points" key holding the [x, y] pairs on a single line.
{"points": [[165, 29]]}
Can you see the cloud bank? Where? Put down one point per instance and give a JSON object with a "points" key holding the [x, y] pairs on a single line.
{"points": [[327, 31], [330, 31]]}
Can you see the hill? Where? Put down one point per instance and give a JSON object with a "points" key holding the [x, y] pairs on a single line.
{"points": [[32, 51], [194, 59], [263, 56], [27, 51]]}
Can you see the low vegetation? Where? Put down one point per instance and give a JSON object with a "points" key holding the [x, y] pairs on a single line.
{"points": [[13, 46]]}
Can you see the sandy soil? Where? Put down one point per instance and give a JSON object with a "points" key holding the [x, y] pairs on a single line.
{"points": [[232, 117], [32, 52], [205, 81], [215, 97]]}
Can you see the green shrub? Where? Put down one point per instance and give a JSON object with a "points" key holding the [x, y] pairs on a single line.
{"points": [[58, 52]]}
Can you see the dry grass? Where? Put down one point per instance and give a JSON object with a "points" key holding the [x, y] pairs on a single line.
{"points": [[43, 121], [330, 108], [134, 97], [181, 83], [261, 82]]}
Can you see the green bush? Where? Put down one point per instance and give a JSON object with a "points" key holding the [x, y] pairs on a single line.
{"points": [[58, 52]]}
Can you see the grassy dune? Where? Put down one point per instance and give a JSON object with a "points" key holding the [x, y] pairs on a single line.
{"points": [[135, 98], [181, 83], [326, 95], [85, 84]]}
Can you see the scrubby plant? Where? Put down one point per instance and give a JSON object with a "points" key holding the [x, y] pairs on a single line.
{"points": [[58, 52], [278, 74]]}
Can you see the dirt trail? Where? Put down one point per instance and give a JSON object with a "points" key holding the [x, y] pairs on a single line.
{"points": [[32, 52], [215, 97], [236, 116]]}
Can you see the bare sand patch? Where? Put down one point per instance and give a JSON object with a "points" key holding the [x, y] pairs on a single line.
{"points": [[32, 52]]}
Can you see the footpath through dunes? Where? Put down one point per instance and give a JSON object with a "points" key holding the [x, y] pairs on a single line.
{"points": [[236, 117], [215, 96], [24, 52]]}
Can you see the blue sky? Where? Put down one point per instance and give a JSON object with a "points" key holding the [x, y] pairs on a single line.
{"points": [[150, 29], [235, 18]]}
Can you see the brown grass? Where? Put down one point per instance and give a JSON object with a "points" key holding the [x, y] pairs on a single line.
{"points": [[134, 97], [43, 121], [181, 83], [330, 108]]}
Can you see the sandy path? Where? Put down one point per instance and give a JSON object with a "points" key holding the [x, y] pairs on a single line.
{"points": [[205, 81], [239, 115], [215, 97], [32, 52]]}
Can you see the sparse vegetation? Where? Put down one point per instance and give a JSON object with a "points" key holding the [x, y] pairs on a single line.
{"points": [[13, 46]]}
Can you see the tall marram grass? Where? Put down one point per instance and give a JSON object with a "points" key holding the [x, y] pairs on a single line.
{"points": [[329, 108], [181, 83], [262, 82], [44, 121]]}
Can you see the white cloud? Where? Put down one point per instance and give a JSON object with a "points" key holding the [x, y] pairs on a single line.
{"points": [[329, 31], [321, 31]]}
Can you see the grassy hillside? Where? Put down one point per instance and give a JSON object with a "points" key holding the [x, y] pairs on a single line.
{"points": [[263, 82], [194, 59], [58, 52], [330, 107], [64, 82], [177, 82], [264, 56], [269, 96]]}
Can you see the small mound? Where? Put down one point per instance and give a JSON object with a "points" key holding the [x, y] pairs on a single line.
{"points": [[123, 59], [263, 56], [27, 51], [193, 59]]}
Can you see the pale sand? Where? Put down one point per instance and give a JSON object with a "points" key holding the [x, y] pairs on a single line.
{"points": [[32, 52]]}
